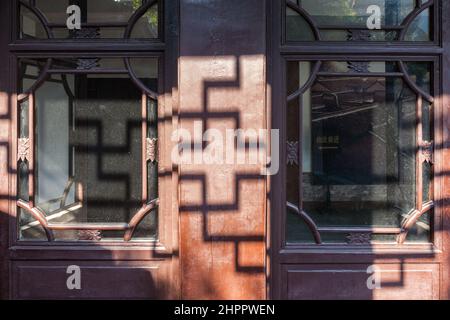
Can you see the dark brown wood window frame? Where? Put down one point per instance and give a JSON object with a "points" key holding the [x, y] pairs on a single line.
{"points": [[92, 49], [399, 52], [424, 149]]}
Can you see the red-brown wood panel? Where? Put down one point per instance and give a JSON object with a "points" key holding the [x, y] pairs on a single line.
{"points": [[349, 281], [99, 280], [222, 207]]}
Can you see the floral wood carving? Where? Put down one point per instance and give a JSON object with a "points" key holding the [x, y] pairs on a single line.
{"points": [[292, 152], [359, 238], [151, 149], [23, 149], [358, 35], [358, 66], [86, 33], [91, 235], [427, 151], [86, 64]]}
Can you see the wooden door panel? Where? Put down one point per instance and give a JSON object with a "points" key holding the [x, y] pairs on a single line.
{"points": [[111, 267], [99, 280], [349, 282], [329, 235]]}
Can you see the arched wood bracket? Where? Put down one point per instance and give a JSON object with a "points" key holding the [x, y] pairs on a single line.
{"points": [[420, 7], [136, 16], [39, 216], [309, 222], [41, 17], [362, 235], [302, 12], [412, 219], [137, 81], [412, 84], [89, 231], [43, 75], [308, 83]]}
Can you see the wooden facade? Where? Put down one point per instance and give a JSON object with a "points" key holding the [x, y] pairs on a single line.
{"points": [[220, 229]]}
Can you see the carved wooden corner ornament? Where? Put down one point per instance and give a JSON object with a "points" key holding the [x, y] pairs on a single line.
{"points": [[151, 152], [23, 149]]}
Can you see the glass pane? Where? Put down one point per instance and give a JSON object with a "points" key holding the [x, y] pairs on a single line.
{"points": [[22, 180], [427, 122], [147, 25], [359, 144], [54, 11], [30, 26], [100, 18], [29, 72], [354, 13], [297, 29], [358, 66], [88, 63], [343, 20], [427, 175], [88, 151], [419, 30], [146, 69], [23, 120], [420, 73]]}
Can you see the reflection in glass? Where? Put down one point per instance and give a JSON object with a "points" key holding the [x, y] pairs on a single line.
{"points": [[427, 179], [106, 19], [359, 166], [358, 66], [297, 28], [343, 20], [420, 73], [30, 26], [54, 11], [88, 152], [146, 70], [420, 30]]}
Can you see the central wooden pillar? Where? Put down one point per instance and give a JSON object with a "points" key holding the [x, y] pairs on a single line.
{"points": [[222, 85]]}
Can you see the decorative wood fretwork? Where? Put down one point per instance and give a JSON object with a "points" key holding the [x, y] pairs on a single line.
{"points": [[151, 149], [86, 64], [90, 235], [358, 66], [86, 33], [359, 238], [358, 35], [23, 149], [427, 151], [292, 152]]}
